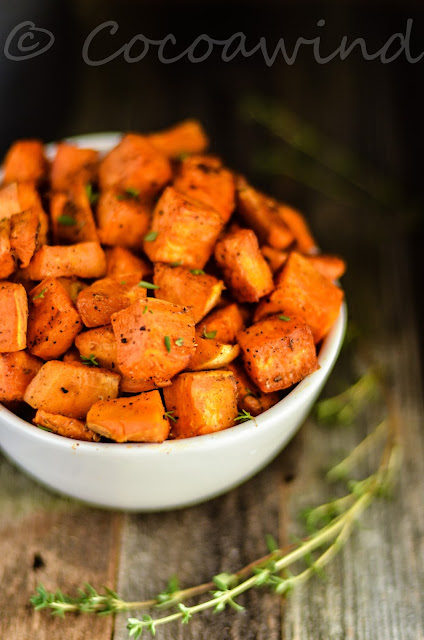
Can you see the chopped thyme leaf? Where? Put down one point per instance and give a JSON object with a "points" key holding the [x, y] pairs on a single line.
{"points": [[129, 194], [66, 221], [123, 282], [211, 334], [244, 416], [197, 272], [177, 263], [167, 341], [145, 309], [285, 318], [40, 295], [90, 360], [151, 236], [169, 415], [179, 342], [92, 195], [148, 285]]}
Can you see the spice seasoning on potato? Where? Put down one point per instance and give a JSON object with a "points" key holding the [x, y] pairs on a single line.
{"points": [[278, 352]]}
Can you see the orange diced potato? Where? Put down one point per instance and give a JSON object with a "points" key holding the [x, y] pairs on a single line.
{"points": [[73, 165], [70, 389], [245, 269], [16, 372], [261, 214], [332, 267], [274, 257], [15, 198], [183, 230], [13, 317], [136, 419], [24, 235], [297, 224], [135, 164], [123, 219], [100, 343], [53, 321], [197, 291], [155, 340], [203, 178], [277, 353], [302, 291], [250, 397], [104, 297], [64, 426], [224, 323], [201, 402], [25, 162], [72, 218], [7, 263], [83, 260], [121, 262], [185, 137], [211, 354]]}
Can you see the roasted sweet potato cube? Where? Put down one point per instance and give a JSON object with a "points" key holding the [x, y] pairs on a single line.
{"points": [[83, 260], [261, 214], [135, 165], [104, 297], [201, 402], [72, 217], [302, 291], [53, 321], [155, 340], [203, 178], [185, 137], [16, 372], [245, 269], [24, 235], [183, 230], [332, 267], [211, 354], [73, 165], [139, 418], [9, 201], [7, 263], [13, 317], [250, 397], [224, 323], [25, 162], [277, 352], [190, 288], [16, 198], [123, 218], [121, 262], [274, 257], [70, 389], [297, 224], [64, 426]]}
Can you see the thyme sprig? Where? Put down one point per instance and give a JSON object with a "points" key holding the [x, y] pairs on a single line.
{"points": [[330, 525]]}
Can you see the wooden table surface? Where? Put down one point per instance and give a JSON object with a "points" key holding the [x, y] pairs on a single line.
{"points": [[374, 589]]}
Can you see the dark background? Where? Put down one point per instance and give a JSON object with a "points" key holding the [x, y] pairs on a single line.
{"points": [[373, 111]]}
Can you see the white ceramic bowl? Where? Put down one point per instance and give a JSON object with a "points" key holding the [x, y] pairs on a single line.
{"points": [[153, 477]]}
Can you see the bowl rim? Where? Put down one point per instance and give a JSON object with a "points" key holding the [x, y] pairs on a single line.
{"points": [[292, 402]]}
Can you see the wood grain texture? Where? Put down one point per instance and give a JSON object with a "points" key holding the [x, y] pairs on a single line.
{"points": [[48, 539]]}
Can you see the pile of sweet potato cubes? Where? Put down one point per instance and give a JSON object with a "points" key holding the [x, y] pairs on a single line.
{"points": [[152, 293]]}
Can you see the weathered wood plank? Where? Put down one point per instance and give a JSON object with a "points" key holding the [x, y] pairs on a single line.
{"points": [[48, 539]]}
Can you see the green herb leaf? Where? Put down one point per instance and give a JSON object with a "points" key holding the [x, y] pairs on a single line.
{"points": [[151, 236], [90, 360], [210, 334], [285, 318], [66, 221], [183, 155], [167, 341], [148, 285], [177, 263], [123, 282], [243, 416], [92, 195], [179, 342], [169, 414], [197, 272], [129, 194], [40, 295], [145, 309]]}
